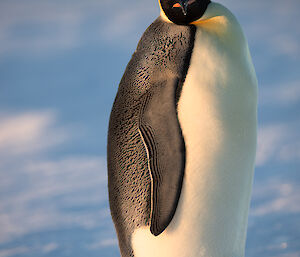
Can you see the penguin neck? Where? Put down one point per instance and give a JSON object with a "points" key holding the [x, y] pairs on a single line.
{"points": [[220, 21]]}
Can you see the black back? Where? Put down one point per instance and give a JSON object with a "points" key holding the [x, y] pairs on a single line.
{"points": [[146, 153]]}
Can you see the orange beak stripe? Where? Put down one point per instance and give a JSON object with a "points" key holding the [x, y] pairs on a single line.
{"points": [[177, 5]]}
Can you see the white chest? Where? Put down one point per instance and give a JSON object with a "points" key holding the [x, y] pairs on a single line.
{"points": [[217, 113]]}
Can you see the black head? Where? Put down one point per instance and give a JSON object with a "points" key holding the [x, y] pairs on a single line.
{"points": [[183, 12]]}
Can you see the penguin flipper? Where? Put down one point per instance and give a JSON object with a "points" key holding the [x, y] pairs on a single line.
{"points": [[162, 136]]}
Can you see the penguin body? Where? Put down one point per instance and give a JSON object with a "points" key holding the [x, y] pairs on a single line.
{"points": [[182, 140]]}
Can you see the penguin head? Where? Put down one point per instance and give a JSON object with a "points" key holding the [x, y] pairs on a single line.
{"points": [[183, 12]]}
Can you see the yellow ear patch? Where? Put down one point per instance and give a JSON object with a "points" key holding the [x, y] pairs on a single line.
{"points": [[162, 14]]}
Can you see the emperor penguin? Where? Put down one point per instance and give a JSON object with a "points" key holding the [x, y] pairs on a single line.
{"points": [[182, 136]]}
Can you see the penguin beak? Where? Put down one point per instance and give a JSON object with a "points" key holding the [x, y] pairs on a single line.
{"points": [[184, 5]]}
